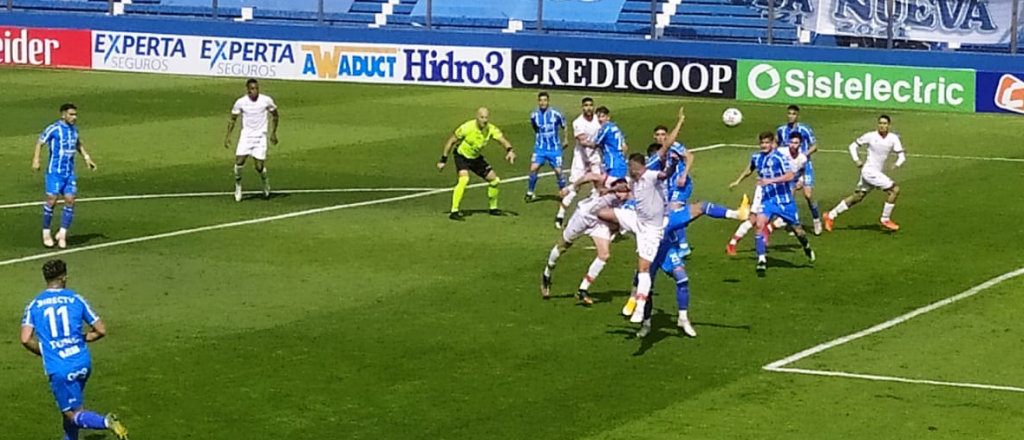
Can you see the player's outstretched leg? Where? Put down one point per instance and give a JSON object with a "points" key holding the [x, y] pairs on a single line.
{"points": [[556, 252], [83, 419], [847, 203]]}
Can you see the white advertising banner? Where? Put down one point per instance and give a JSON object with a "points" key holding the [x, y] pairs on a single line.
{"points": [[298, 60]]}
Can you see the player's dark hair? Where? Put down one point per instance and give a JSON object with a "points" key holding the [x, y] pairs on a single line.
{"points": [[661, 127], [618, 182], [587, 99], [794, 107], [251, 81], [602, 110], [68, 106], [886, 117], [765, 135], [653, 149], [795, 135], [543, 95], [54, 269], [638, 158]]}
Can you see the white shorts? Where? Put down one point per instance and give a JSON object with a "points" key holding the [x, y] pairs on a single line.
{"points": [[756, 205], [648, 238], [580, 225], [580, 165], [252, 145], [871, 179]]}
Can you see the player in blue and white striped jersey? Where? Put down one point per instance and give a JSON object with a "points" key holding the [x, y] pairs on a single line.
{"points": [[808, 147], [547, 149], [775, 177], [61, 138]]}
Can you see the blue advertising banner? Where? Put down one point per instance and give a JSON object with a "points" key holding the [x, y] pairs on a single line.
{"points": [[999, 92]]}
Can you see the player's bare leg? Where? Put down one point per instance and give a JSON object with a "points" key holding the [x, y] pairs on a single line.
{"points": [[492, 192], [261, 168], [801, 236], [48, 206], [847, 203], [890, 203], [239, 163], [643, 290], [82, 419], [560, 178]]}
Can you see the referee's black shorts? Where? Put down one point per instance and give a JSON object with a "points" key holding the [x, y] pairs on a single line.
{"points": [[477, 165]]}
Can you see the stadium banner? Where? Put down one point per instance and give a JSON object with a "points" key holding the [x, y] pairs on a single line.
{"points": [[714, 78], [44, 47], [857, 85], [1000, 92], [964, 21], [298, 60]]}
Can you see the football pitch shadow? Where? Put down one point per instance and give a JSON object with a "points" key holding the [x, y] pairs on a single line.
{"points": [[663, 326], [75, 240]]}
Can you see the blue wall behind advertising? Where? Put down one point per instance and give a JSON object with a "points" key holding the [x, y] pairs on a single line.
{"points": [[593, 11], [989, 93], [524, 41]]}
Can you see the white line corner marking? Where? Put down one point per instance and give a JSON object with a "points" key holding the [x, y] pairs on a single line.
{"points": [[780, 365]]}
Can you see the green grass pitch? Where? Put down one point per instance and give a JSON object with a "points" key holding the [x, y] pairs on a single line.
{"points": [[385, 320]]}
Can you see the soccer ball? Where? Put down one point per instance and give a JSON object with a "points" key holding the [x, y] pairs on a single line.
{"points": [[732, 117]]}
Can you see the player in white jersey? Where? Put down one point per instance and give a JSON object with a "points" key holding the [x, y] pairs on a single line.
{"points": [[584, 221], [880, 145], [584, 159], [646, 222], [253, 138]]}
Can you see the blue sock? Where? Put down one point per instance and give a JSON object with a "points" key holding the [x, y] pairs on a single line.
{"points": [[636, 278], [561, 181], [683, 292], [90, 420], [70, 430], [67, 216], [759, 239], [815, 214], [715, 211], [47, 216], [681, 237], [533, 182], [649, 307]]}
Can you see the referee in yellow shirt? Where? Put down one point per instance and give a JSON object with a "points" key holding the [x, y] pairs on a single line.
{"points": [[472, 137]]}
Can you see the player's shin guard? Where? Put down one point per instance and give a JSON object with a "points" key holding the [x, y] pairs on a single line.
{"points": [[492, 192], [682, 290], [595, 269], [532, 185], [90, 420], [741, 232], [715, 211], [839, 209], [815, 212], [887, 211], [66, 217], [47, 216], [762, 246], [460, 190], [70, 430]]}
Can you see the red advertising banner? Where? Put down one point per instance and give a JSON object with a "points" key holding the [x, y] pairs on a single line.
{"points": [[45, 47]]}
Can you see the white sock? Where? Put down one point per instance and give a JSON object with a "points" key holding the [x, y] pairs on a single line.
{"points": [[567, 200], [887, 211], [553, 256], [779, 223], [643, 286], [735, 215], [838, 209], [263, 174], [741, 232], [595, 269], [561, 211], [683, 316], [238, 173]]}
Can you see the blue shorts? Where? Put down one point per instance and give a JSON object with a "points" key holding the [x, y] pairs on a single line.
{"points": [[57, 184], [679, 195], [678, 219], [69, 387], [670, 257], [616, 172], [552, 158], [808, 177], [787, 211]]}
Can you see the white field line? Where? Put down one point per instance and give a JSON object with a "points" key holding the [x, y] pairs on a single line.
{"points": [[779, 365], [289, 215], [218, 194], [928, 156], [897, 379]]}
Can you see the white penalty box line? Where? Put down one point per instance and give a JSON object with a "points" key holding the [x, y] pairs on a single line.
{"points": [[780, 366], [418, 193]]}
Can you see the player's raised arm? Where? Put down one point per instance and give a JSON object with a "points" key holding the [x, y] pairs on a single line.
{"points": [[672, 136], [88, 159]]}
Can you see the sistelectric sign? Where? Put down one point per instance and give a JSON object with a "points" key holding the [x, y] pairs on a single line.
{"points": [[299, 60], [626, 73], [857, 85], [44, 47]]}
